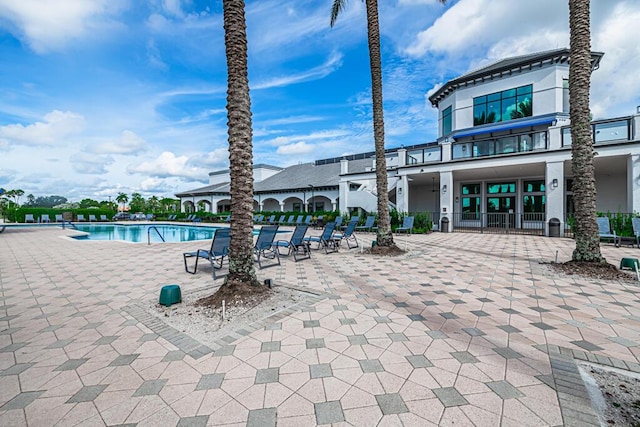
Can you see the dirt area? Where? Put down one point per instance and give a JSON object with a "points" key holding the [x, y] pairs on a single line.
{"points": [[603, 271], [615, 394], [206, 324]]}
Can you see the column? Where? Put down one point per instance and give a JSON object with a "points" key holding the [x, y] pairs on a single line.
{"points": [[633, 183], [281, 206], [402, 194], [554, 192], [446, 196]]}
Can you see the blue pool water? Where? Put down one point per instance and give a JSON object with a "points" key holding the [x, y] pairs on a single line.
{"points": [[140, 233]]}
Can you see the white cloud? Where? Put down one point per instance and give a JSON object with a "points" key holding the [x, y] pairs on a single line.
{"points": [[54, 129], [155, 185], [90, 164], [49, 25], [129, 143], [216, 159], [296, 148], [331, 64], [314, 136], [168, 165]]}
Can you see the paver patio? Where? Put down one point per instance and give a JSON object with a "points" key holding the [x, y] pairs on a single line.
{"points": [[464, 329]]}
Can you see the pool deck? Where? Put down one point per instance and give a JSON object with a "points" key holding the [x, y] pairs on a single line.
{"points": [[464, 329]]}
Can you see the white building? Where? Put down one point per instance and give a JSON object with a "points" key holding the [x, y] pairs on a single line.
{"points": [[502, 159]]}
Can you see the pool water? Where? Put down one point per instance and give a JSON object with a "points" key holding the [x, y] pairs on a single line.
{"points": [[172, 233]]}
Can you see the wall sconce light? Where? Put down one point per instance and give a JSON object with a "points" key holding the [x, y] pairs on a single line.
{"points": [[554, 183], [444, 188], [399, 190], [457, 199]]}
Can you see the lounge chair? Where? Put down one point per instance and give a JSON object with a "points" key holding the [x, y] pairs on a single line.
{"points": [[407, 225], [92, 218], [29, 218], [80, 218], [149, 217], [281, 219], [348, 235], [319, 223], [353, 218], [635, 223], [308, 219], [299, 220], [290, 220], [605, 232], [44, 218], [325, 240], [189, 217], [258, 218], [103, 218], [59, 218], [172, 217], [219, 250], [296, 245], [271, 220], [265, 247], [338, 222], [368, 224]]}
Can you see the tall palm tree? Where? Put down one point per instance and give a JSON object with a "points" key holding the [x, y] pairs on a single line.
{"points": [[122, 198], [241, 268], [584, 186], [384, 237]]}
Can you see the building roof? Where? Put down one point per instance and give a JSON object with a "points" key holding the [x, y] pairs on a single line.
{"points": [[296, 177], [508, 66], [256, 166]]}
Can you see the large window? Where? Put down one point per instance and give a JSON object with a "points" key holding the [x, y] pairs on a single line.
{"points": [[509, 104], [503, 145], [470, 201], [446, 121], [533, 200]]}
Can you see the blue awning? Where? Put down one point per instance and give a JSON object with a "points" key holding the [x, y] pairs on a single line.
{"points": [[498, 127]]}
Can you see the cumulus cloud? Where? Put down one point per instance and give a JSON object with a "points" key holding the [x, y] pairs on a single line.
{"points": [[54, 129], [90, 164], [296, 148], [215, 159], [155, 185], [49, 25], [168, 165], [129, 143]]}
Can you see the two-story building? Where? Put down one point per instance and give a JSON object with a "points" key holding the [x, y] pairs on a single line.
{"points": [[502, 159]]}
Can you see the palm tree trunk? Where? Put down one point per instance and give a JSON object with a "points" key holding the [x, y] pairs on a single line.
{"points": [[384, 237], [584, 188], [241, 268]]}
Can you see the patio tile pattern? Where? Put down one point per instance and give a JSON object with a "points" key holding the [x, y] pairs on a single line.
{"points": [[463, 329]]}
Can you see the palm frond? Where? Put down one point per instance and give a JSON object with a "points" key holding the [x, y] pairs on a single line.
{"points": [[338, 6]]}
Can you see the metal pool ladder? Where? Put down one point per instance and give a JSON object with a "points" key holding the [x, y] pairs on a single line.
{"points": [[153, 227]]}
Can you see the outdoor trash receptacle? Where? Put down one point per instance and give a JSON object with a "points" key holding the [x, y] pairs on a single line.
{"points": [[554, 227], [170, 294], [629, 263], [444, 225]]}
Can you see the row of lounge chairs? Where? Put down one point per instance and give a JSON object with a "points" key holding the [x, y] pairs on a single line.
{"points": [[45, 218], [268, 248]]}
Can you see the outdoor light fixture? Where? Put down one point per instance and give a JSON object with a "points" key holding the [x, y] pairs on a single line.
{"points": [[554, 183], [399, 190], [444, 188]]}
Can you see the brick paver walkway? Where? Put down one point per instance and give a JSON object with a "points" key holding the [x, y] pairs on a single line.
{"points": [[463, 330]]}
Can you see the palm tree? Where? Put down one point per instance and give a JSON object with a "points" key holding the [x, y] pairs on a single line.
{"points": [[241, 269], [122, 198], [584, 188], [384, 237]]}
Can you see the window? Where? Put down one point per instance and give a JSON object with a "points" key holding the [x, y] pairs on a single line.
{"points": [[297, 207], [446, 121], [533, 200], [470, 201], [501, 187], [509, 104], [565, 95]]}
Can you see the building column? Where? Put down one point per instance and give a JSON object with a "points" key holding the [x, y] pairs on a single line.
{"points": [[281, 206], [446, 197], [343, 191], [633, 183], [554, 193], [402, 194], [334, 205]]}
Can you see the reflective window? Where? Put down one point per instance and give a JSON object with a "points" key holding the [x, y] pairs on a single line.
{"points": [[446, 121], [611, 131], [414, 157], [471, 203], [507, 145], [470, 188], [501, 187], [534, 186], [462, 151], [483, 148], [501, 106]]}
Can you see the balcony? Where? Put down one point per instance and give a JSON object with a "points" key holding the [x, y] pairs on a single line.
{"points": [[424, 155], [497, 146], [604, 131]]}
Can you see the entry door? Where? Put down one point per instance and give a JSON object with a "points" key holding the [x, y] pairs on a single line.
{"points": [[501, 211]]}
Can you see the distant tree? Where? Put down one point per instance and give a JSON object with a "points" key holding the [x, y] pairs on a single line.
{"points": [[168, 204], [137, 202], [31, 200], [50, 201], [15, 195], [88, 203], [122, 198], [153, 204]]}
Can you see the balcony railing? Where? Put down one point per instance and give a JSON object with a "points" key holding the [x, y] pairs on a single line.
{"points": [[496, 146], [604, 131], [424, 155]]}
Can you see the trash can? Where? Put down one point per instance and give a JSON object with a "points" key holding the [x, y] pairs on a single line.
{"points": [[444, 225], [554, 227]]}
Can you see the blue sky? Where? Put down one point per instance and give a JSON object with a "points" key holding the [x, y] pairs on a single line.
{"points": [[99, 97]]}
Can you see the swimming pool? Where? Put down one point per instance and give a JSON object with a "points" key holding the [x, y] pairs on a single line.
{"points": [[139, 233]]}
